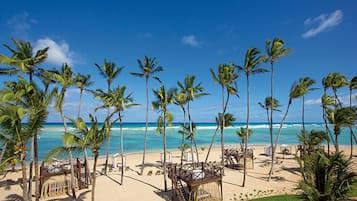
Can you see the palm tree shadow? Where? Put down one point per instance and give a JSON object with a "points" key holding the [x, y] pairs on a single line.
{"points": [[80, 197], [166, 195]]}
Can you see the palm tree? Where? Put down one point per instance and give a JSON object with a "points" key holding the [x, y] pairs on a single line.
{"points": [[242, 133], [270, 104], [82, 82], [251, 66], [180, 100], [275, 50], [148, 68], [25, 61], [23, 101], [311, 140], [192, 91], [352, 86], [226, 78], [119, 101], [295, 92], [340, 118], [306, 87], [109, 71], [327, 101], [229, 119], [65, 79], [163, 99]]}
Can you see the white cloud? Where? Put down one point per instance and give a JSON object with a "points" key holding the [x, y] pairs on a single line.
{"points": [[313, 101], [20, 24], [190, 40], [58, 53], [322, 23]]}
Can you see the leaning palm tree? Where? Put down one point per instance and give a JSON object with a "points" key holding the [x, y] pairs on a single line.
{"points": [[228, 120], [295, 92], [24, 60], [275, 50], [327, 101], [109, 71], [352, 86], [82, 82], [336, 81], [148, 68], [226, 78], [192, 91], [119, 101], [251, 66], [163, 99]]}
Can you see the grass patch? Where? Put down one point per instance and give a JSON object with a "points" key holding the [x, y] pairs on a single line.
{"points": [[353, 192], [279, 198]]}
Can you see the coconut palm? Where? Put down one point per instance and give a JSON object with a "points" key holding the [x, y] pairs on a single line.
{"points": [[242, 133], [180, 100], [229, 119], [327, 101], [352, 86], [251, 66], [275, 50], [119, 101], [192, 91], [64, 78], [25, 61], [306, 86], [311, 140], [341, 118], [23, 102], [163, 99], [295, 92], [270, 104], [109, 71], [148, 68], [336, 81], [82, 82], [226, 78]]}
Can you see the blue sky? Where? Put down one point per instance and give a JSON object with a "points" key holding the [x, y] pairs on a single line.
{"points": [[190, 37]]}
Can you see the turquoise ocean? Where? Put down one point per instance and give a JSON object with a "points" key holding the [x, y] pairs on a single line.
{"points": [[133, 135]]}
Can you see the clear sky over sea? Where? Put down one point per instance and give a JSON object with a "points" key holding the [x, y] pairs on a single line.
{"points": [[190, 37]]}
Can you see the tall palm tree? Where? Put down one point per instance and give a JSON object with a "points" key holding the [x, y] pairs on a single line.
{"points": [[306, 86], [119, 101], [326, 102], [109, 71], [336, 81], [163, 99], [229, 119], [148, 68], [192, 91], [352, 86], [64, 78], [226, 78], [82, 82], [275, 50], [181, 100], [23, 102], [242, 134], [295, 92], [270, 104], [251, 66], [25, 61]]}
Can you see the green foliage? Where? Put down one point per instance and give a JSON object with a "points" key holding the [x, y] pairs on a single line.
{"points": [[325, 177], [279, 198]]}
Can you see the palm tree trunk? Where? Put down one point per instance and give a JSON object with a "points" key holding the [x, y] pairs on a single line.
{"points": [[37, 183], [165, 181], [351, 131], [24, 177], [192, 135], [32, 153], [88, 177], [246, 134], [146, 125], [183, 134], [80, 104], [303, 114], [210, 146], [222, 131], [94, 175], [3, 151], [271, 119], [108, 140], [277, 139], [121, 150]]}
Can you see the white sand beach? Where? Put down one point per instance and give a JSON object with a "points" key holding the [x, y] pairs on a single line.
{"points": [[150, 186]]}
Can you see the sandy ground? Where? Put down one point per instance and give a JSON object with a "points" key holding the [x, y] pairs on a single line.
{"points": [[150, 187]]}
